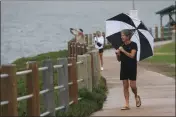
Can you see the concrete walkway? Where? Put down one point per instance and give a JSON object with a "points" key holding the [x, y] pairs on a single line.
{"points": [[157, 92]]}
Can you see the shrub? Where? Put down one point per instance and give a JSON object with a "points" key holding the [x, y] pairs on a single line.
{"points": [[91, 101]]}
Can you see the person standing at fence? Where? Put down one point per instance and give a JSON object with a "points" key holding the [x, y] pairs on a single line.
{"points": [[99, 44], [127, 55]]}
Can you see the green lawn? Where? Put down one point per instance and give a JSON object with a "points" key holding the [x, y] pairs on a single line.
{"points": [[21, 62], [170, 59], [165, 58], [162, 61], [168, 48]]}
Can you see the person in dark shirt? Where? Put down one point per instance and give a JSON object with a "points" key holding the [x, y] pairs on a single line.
{"points": [[127, 54]]}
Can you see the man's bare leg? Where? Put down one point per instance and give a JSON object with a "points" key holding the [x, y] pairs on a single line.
{"points": [[134, 90], [126, 92], [133, 87]]}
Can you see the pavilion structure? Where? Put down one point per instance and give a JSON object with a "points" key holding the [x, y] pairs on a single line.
{"points": [[170, 11], [167, 30]]}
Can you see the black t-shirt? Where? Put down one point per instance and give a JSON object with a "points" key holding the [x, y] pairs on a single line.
{"points": [[127, 61]]}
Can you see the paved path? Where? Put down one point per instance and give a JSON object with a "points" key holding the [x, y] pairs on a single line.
{"points": [[157, 92]]}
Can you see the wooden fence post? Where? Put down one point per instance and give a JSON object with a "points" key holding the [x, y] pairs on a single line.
{"points": [[48, 83], [72, 49], [85, 49], [69, 49], [89, 72], [33, 104], [9, 90], [90, 39], [78, 48], [81, 49], [63, 80], [82, 71], [95, 67], [92, 68], [162, 32], [98, 75], [156, 32], [86, 39], [72, 75]]}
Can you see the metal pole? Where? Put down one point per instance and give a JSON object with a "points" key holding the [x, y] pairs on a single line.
{"points": [[133, 5]]}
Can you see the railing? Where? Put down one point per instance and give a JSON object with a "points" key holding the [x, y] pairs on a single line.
{"points": [[75, 48], [80, 69], [167, 32], [70, 73], [162, 33]]}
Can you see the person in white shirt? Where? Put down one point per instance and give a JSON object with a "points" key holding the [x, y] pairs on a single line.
{"points": [[99, 44]]}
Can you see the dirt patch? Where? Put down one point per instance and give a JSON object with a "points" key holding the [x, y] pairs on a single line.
{"points": [[165, 69]]}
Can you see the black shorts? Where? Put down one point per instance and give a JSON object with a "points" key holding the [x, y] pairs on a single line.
{"points": [[101, 50], [128, 73]]}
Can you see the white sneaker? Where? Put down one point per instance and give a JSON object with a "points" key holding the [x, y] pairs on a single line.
{"points": [[102, 68]]}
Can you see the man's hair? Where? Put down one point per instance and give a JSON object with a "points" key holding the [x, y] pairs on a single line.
{"points": [[127, 33], [98, 32]]}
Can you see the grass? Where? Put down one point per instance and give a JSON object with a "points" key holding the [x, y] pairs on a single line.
{"points": [[90, 103], [21, 62], [168, 55], [107, 47], [161, 63], [168, 48], [169, 59]]}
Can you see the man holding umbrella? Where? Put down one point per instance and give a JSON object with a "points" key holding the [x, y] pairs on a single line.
{"points": [[127, 55], [133, 42]]}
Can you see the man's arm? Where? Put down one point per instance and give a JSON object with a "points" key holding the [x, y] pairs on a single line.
{"points": [[118, 55], [131, 54]]}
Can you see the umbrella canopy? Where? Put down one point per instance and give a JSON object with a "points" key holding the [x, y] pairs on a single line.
{"points": [[141, 36]]}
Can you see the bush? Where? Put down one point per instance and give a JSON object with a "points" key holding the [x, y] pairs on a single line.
{"points": [[109, 46], [91, 101]]}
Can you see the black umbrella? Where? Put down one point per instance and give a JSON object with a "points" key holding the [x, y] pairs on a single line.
{"points": [[141, 36]]}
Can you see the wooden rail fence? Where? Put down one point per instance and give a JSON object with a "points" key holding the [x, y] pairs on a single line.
{"points": [[165, 33], [77, 71]]}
